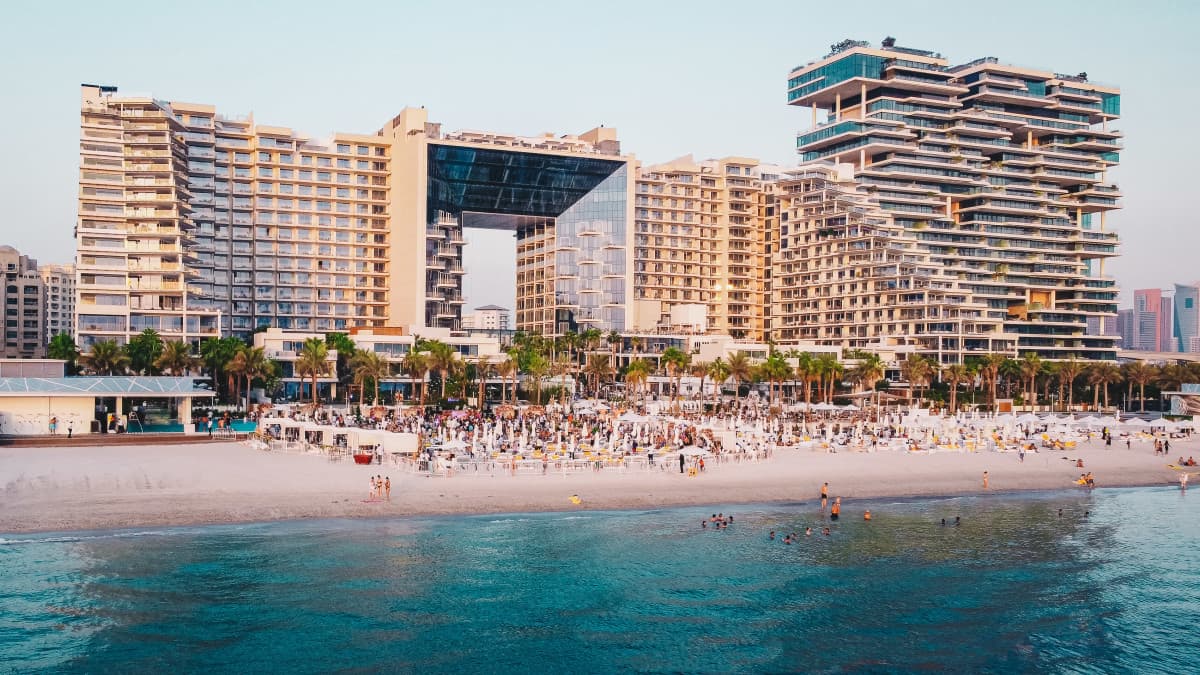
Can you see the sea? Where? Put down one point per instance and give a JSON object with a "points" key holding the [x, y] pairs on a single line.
{"points": [[1106, 581]]}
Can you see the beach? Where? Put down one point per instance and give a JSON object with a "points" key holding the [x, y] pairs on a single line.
{"points": [[82, 488]]}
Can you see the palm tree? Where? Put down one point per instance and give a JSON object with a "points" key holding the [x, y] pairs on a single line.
{"points": [[105, 358], [1030, 365], [505, 369], [415, 366], [740, 370], [954, 375], [441, 359], [62, 346], [806, 370], [143, 350], [216, 353], [915, 370], [675, 361], [483, 370], [718, 370], [989, 369], [636, 374], [1068, 370], [598, 368], [311, 362], [699, 369], [1141, 374], [537, 369], [368, 365], [869, 371], [774, 370], [1100, 375], [829, 370], [176, 358], [614, 339]]}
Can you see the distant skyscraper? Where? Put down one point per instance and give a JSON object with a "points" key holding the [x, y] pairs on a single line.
{"points": [[1166, 335], [1147, 307], [1125, 324], [1187, 317]]}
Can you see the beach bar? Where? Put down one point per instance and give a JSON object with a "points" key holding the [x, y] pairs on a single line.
{"points": [[41, 406]]}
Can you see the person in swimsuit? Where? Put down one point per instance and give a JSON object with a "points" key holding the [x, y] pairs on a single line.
{"points": [[824, 495], [835, 511], [387, 487]]}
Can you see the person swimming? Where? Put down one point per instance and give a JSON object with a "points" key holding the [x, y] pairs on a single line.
{"points": [[771, 536], [808, 531], [826, 532]]}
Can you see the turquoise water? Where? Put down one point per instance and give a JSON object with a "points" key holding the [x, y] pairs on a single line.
{"points": [[1015, 588]]}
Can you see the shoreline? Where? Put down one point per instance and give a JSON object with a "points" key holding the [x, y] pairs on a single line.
{"points": [[74, 490]]}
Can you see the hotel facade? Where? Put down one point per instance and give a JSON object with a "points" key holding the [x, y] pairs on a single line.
{"points": [[946, 209]]}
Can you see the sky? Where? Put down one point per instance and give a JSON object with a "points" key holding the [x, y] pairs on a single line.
{"points": [[702, 78]]}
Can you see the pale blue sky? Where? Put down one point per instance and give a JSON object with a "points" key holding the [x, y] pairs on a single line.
{"points": [[706, 78]]}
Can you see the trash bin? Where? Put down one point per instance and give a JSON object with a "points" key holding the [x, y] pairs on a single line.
{"points": [[95, 426]]}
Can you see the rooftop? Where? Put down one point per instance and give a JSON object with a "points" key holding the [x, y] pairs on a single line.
{"points": [[154, 387]]}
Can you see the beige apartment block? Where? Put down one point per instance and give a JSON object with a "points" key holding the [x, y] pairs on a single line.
{"points": [[135, 232], [847, 275], [999, 171], [24, 315], [59, 295], [704, 232]]}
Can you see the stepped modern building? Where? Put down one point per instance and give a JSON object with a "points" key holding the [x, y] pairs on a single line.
{"points": [[999, 174]]}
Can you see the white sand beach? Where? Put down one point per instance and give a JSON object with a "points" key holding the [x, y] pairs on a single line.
{"points": [[111, 487]]}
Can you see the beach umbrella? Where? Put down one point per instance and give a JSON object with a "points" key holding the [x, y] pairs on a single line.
{"points": [[1028, 418], [850, 407], [1136, 422]]}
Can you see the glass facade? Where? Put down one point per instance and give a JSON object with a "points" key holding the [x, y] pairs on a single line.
{"points": [[854, 65], [571, 212], [590, 257]]}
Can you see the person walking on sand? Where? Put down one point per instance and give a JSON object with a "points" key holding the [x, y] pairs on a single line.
{"points": [[210, 427], [985, 480], [53, 426], [681, 462], [824, 495], [70, 428], [387, 487]]}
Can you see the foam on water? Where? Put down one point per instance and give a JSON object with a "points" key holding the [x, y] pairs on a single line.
{"points": [[1014, 588]]}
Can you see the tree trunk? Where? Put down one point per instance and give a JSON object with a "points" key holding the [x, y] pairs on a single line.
{"points": [[1141, 397]]}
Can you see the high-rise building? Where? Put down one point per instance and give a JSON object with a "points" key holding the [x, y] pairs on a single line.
{"points": [[58, 282], [1148, 319], [189, 218], [24, 315], [1126, 321], [998, 171], [1186, 317], [703, 237]]}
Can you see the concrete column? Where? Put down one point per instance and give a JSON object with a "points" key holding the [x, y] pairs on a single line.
{"points": [[862, 159], [1029, 139], [185, 415], [814, 115], [119, 412], [862, 103], [837, 107]]}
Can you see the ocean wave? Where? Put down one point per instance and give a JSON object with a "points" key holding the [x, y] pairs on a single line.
{"points": [[67, 539]]}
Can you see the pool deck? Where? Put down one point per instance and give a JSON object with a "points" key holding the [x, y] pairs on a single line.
{"points": [[98, 440]]}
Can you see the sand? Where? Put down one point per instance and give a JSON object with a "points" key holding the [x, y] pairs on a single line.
{"points": [[48, 489]]}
